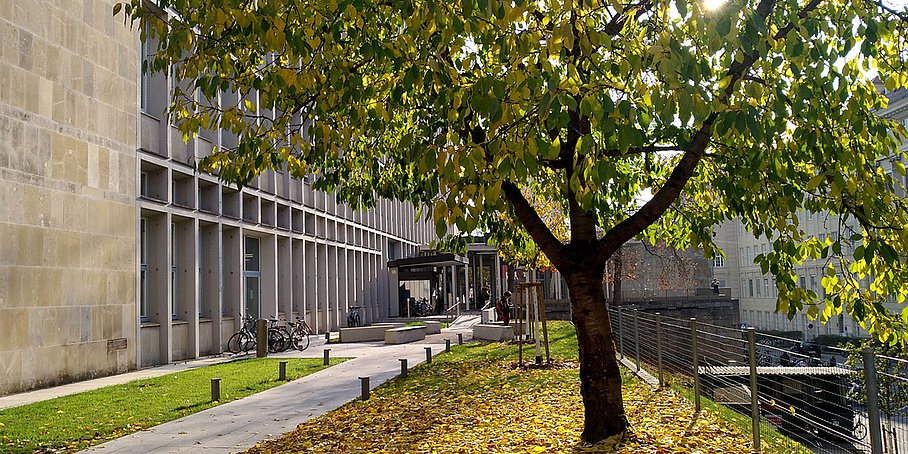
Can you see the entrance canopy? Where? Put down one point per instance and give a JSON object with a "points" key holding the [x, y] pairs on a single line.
{"points": [[428, 261]]}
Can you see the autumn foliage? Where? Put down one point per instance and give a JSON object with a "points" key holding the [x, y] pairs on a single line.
{"points": [[475, 400]]}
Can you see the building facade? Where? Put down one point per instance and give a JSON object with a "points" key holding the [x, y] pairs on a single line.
{"points": [[757, 292], [114, 253]]}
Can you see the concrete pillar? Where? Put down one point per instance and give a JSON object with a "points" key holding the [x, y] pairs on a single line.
{"points": [[186, 250], [159, 286], [321, 274], [284, 278], [455, 289], [268, 266], [233, 275], [312, 282], [331, 288], [467, 284], [211, 295], [298, 282]]}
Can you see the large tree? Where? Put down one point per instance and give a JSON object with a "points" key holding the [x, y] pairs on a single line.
{"points": [[755, 110]]}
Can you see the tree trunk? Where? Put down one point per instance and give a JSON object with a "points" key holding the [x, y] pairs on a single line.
{"points": [[600, 378]]}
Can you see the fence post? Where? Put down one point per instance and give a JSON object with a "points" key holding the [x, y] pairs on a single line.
{"points": [[428, 354], [754, 392], [327, 360], [659, 348], [637, 338], [696, 362], [873, 403], [282, 371], [620, 334]]}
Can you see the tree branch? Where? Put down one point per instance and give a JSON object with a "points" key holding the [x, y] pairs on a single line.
{"points": [[535, 226]]}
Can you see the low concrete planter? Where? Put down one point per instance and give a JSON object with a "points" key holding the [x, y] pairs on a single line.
{"points": [[432, 327], [496, 333], [367, 333], [405, 334]]}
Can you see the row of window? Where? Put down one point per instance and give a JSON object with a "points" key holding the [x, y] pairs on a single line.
{"points": [[769, 320]]}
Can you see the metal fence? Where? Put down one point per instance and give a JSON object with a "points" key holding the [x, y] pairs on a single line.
{"points": [[789, 395]]}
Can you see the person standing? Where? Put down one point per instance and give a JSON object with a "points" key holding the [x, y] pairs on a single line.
{"points": [[484, 295], [503, 307]]}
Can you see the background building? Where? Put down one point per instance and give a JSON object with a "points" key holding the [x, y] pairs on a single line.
{"points": [[114, 254]]}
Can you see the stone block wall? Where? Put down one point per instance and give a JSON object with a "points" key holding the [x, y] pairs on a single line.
{"points": [[68, 106]]}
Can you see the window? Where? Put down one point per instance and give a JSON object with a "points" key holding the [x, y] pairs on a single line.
{"points": [[766, 287], [813, 284], [743, 287], [758, 289], [750, 259], [803, 282], [143, 270], [146, 74], [718, 262], [810, 215], [750, 286], [741, 254], [741, 228], [763, 248]]}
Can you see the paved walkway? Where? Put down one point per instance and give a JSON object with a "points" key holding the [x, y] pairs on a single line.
{"points": [[239, 425]]}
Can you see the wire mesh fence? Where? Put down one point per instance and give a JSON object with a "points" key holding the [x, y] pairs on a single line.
{"points": [[797, 396]]}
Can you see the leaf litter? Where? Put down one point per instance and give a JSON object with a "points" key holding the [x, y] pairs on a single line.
{"points": [[464, 405]]}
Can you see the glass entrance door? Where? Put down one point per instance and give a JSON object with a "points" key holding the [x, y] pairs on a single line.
{"points": [[253, 296]]}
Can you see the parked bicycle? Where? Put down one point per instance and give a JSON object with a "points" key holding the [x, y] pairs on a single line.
{"points": [[244, 339], [279, 338], [353, 317], [420, 307], [299, 334]]}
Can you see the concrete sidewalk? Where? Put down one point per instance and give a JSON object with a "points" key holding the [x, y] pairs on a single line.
{"points": [[241, 424]]}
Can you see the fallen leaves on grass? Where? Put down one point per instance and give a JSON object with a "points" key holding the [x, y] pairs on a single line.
{"points": [[488, 406]]}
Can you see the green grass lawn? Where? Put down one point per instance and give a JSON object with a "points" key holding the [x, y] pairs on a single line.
{"points": [[75, 422]]}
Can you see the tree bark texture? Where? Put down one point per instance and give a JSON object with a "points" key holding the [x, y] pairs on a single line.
{"points": [[600, 377]]}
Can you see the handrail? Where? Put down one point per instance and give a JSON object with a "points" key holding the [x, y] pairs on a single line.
{"points": [[450, 310]]}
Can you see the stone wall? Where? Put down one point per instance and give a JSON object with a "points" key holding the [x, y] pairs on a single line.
{"points": [[68, 103], [715, 311]]}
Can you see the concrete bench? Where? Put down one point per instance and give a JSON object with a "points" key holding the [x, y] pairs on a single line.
{"points": [[432, 327], [496, 333], [405, 334], [374, 332], [488, 316]]}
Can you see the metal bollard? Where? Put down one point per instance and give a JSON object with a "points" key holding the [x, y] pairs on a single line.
{"points": [[637, 338], [365, 383], [428, 354], [282, 370], [693, 352], [403, 367], [327, 357], [447, 345], [327, 336], [215, 389], [659, 348], [754, 395], [873, 402], [459, 338]]}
